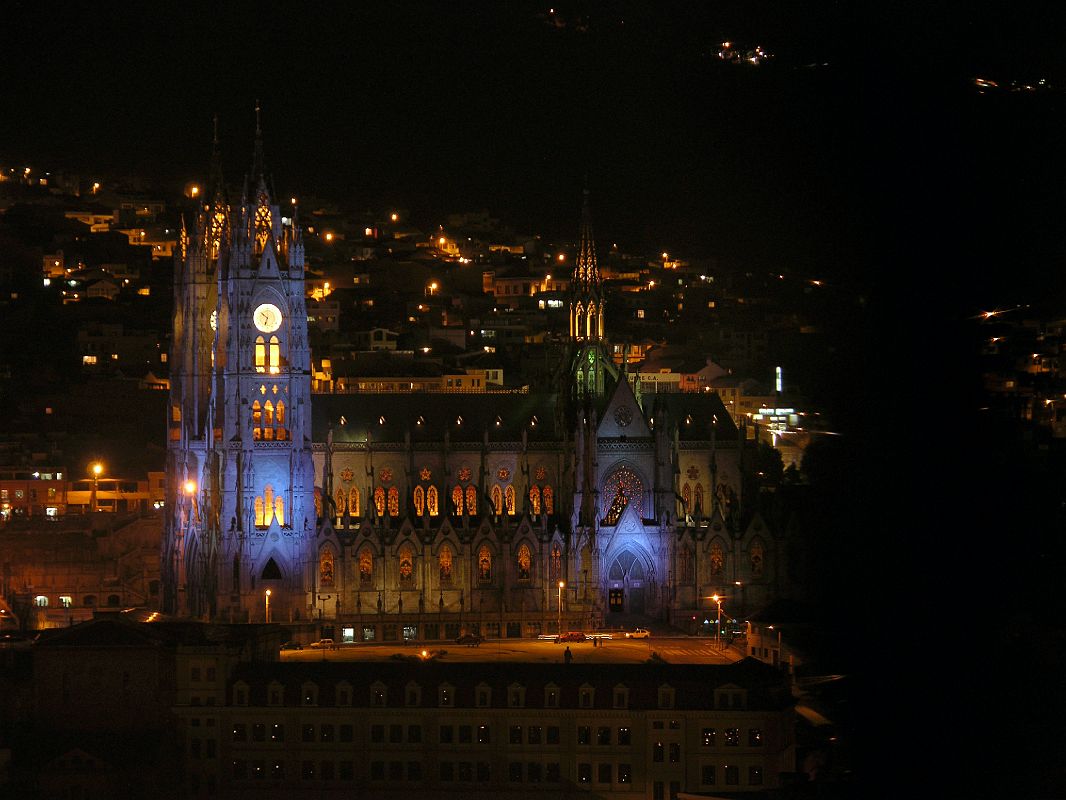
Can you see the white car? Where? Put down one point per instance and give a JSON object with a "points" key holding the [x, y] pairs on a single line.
{"points": [[638, 633]]}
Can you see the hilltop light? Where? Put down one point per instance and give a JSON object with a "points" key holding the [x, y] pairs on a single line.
{"points": [[394, 216]]}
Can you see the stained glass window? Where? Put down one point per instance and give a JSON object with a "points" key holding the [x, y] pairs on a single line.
{"points": [[717, 558], [379, 501], [366, 568], [353, 502], [484, 564], [756, 555], [497, 500], [549, 500], [525, 562], [622, 488], [257, 421], [318, 504], [260, 354], [268, 504], [471, 500], [275, 356], [279, 510], [699, 498], [684, 564], [445, 562], [407, 565], [509, 499], [534, 500], [325, 568], [431, 501], [555, 567], [340, 502], [686, 498], [420, 501], [259, 523], [457, 500], [394, 502]]}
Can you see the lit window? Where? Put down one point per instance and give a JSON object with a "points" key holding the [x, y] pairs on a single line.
{"points": [[41, 601], [88, 359], [66, 601]]}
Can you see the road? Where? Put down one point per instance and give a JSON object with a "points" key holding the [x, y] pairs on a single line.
{"points": [[676, 650]]}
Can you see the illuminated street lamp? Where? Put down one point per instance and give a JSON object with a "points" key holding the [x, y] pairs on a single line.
{"points": [[96, 468], [718, 625], [267, 596], [559, 623], [432, 288]]}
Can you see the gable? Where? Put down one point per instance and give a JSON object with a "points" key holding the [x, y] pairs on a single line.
{"points": [[623, 416]]}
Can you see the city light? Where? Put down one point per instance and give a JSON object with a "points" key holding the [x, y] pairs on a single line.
{"points": [[394, 216]]}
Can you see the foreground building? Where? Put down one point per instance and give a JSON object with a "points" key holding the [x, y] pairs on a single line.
{"points": [[417, 516]]}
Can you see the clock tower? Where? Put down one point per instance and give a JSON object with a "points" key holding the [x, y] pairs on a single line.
{"points": [[240, 493]]}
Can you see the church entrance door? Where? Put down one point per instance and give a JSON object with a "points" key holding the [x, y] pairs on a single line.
{"points": [[616, 600]]}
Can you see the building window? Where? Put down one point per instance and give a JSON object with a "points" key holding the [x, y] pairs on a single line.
{"points": [[549, 500], [603, 736], [484, 734], [395, 734], [584, 734], [41, 601], [732, 737], [732, 776], [755, 775], [585, 696], [625, 773], [377, 734], [625, 737], [603, 773], [260, 354], [366, 568], [471, 501], [394, 502], [524, 563], [407, 573], [533, 734], [707, 739], [707, 776], [259, 732], [420, 501], [325, 568], [497, 500], [240, 732], [675, 753], [514, 771], [457, 500], [445, 698], [515, 734], [551, 697], [484, 564], [555, 564], [658, 753], [553, 734], [66, 601], [444, 562], [379, 501], [508, 497], [432, 501], [584, 773], [666, 697], [534, 500], [353, 502], [658, 791], [754, 737]]}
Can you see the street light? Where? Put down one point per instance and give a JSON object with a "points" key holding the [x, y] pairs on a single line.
{"points": [[267, 595], [559, 623], [718, 625], [96, 468]]}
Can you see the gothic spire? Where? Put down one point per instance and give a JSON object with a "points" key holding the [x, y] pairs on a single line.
{"points": [[257, 160], [586, 273], [216, 190]]}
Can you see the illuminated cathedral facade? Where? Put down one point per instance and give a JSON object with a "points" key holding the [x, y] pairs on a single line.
{"points": [[387, 516]]}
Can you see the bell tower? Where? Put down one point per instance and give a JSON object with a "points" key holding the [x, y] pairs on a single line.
{"points": [[590, 364], [240, 486]]}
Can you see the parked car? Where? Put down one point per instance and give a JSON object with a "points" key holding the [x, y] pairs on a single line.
{"points": [[470, 639], [322, 644], [572, 636], [292, 646], [638, 633]]}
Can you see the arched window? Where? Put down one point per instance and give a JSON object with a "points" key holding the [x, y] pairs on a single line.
{"points": [[444, 562], [534, 500], [524, 562], [699, 498], [275, 355], [259, 516], [420, 500], [268, 420], [484, 564], [282, 434], [497, 500], [268, 504], [394, 501], [549, 500], [41, 601], [686, 498], [622, 488], [279, 510], [260, 354], [684, 564], [340, 502], [318, 504], [457, 500], [509, 499], [379, 501], [257, 421], [353, 502], [755, 554], [471, 501], [717, 558], [407, 566], [366, 568], [555, 566], [325, 568], [432, 502]]}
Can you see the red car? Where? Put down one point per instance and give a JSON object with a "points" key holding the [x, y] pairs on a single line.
{"points": [[572, 636]]}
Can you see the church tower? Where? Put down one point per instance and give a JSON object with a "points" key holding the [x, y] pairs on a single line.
{"points": [[240, 491], [589, 365]]}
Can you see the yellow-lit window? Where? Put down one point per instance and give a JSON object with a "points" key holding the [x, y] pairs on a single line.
{"points": [[268, 504], [420, 500], [431, 501], [457, 499], [379, 501], [268, 420], [259, 517], [471, 500], [353, 502], [260, 354], [497, 500], [549, 500], [257, 420], [509, 497], [534, 499], [275, 355], [279, 509], [394, 502]]}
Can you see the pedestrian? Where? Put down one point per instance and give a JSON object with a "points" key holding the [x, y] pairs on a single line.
{"points": [[567, 655]]}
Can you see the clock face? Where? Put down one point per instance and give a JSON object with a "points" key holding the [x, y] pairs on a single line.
{"points": [[267, 318], [623, 416]]}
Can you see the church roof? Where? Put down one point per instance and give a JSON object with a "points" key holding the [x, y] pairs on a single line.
{"points": [[693, 413], [466, 417]]}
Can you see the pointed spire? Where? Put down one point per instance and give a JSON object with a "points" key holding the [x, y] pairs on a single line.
{"points": [[216, 188], [586, 273], [257, 161]]}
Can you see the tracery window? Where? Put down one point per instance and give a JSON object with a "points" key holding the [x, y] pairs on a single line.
{"points": [[379, 501], [717, 559], [268, 420], [394, 501], [318, 504], [257, 420], [555, 565], [457, 500], [431, 501], [471, 500], [497, 500], [525, 562], [325, 568], [275, 356], [366, 568], [549, 500], [259, 514], [279, 510], [484, 564], [534, 500], [353, 502], [407, 566], [622, 488], [340, 502], [260, 354], [684, 564], [509, 499], [699, 498], [420, 500], [686, 498], [444, 563]]}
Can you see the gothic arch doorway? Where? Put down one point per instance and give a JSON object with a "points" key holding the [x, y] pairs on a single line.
{"points": [[625, 584]]}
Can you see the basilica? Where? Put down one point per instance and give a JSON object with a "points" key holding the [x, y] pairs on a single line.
{"points": [[419, 516]]}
